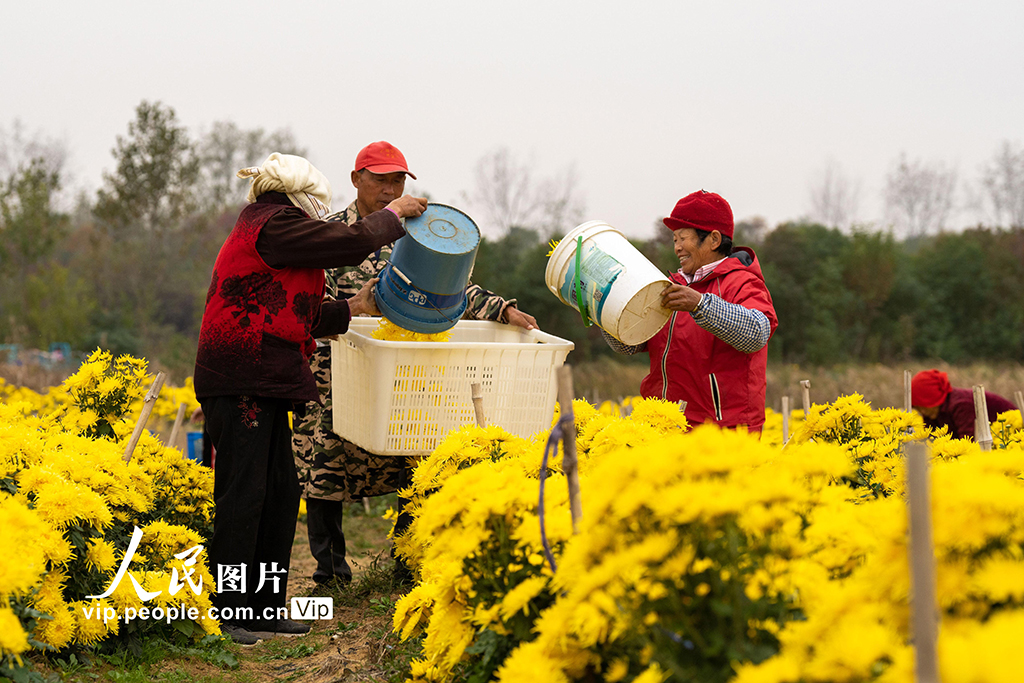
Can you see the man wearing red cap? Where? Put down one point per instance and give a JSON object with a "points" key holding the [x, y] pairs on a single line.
{"points": [[331, 469], [942, 405], [712, 353]]}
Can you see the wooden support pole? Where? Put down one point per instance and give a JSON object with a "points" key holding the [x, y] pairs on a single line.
{"points": [[478, 403], [785, 420], [907, 400], [1018, 398], [923, 603], [177, 425], [982, 430], [147, 407], [569, 464], [805, 384]]}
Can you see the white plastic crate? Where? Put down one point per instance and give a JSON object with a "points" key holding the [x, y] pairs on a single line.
{"points": [[403, 398]]}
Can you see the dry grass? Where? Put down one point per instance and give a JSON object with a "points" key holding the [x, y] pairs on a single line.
{"points": [[34, 376]]}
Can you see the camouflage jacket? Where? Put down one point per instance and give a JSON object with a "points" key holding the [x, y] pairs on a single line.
{"points": [[329, 466]]}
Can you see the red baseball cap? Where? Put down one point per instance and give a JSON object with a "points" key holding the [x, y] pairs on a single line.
{"points": [[382, 157], [702, 211], [929, 388]]}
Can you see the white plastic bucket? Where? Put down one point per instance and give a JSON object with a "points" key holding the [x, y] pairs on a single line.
{"points": [[620, 288]]}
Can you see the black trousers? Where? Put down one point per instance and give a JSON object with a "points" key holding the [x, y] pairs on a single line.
{"points": [[327, 539], [256, 491]]}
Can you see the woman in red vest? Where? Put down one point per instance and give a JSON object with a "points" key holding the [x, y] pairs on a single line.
{"points": [[712, 353], [263, 310]]}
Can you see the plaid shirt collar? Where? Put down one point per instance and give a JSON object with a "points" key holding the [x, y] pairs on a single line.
{"points": [[701, 272]]}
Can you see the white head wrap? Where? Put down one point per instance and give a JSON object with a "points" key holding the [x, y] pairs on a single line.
{"points": [[306, 187]]}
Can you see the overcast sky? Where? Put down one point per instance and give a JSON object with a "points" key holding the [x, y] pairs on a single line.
{"points": [[648, 101]]}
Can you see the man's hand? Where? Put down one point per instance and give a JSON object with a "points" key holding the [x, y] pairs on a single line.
{"points": [[677, 297], [363, 302], [520, 319], [408, 206]]}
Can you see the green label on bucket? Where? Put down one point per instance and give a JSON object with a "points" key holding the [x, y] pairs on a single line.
{"points": [[598, 271]]}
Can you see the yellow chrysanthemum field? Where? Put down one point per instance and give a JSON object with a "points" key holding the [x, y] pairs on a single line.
{"points": [[69, 505], [702, 554], [710, 555]]}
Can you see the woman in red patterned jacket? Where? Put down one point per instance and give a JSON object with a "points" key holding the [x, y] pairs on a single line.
{"points": [[712, 353], [263, 310]]}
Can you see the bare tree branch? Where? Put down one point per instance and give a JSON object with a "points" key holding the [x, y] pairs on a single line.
{"points": [[1003, 185], [834, 198], [508, 195], [919, 196]]}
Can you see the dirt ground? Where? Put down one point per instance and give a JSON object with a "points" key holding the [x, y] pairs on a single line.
{"points": [[355, 645]]}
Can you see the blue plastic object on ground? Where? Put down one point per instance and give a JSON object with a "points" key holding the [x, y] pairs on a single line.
{"points": [[423, 288], [195, 446]]}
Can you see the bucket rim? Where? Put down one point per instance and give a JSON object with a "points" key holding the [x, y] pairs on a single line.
{"points": [[426, 326]]}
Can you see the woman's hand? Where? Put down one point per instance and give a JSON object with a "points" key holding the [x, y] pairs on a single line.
{"points": [[363, 302], [677, 297]]}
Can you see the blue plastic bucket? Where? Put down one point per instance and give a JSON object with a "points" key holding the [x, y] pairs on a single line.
{"points": [[195, 446], [423, 288]]}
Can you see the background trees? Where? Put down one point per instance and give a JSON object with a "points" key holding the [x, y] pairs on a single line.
{"points": [[128, 267]]}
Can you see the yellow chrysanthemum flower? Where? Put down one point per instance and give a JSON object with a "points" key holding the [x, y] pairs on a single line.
{"points": [[23, 559], [59, 631], [13, 639]]}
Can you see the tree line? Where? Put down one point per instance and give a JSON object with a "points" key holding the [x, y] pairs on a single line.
{"points": [[128, 268], [861, 297]]}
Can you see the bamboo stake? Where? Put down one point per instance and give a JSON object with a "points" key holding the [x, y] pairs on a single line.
{"points": [[907, 400], [982, 431], [1018, 398], [805, 384], [147, 407], [785, 420], [569, 463], [177, 425], [478, 403], [924, 614]]}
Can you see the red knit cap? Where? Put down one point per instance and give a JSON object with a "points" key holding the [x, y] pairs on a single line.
{"points": [[702, 211], [929, 388]]}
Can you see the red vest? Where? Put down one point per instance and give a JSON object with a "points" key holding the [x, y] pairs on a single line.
{"points": [[719, 383], [255, 336]]}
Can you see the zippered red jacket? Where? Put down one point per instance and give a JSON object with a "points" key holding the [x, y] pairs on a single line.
{"points": [[719, 383]]}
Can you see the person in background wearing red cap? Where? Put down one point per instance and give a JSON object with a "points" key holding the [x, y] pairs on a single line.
{"points": [[941, 405], [331, 469], [712, 353]]}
